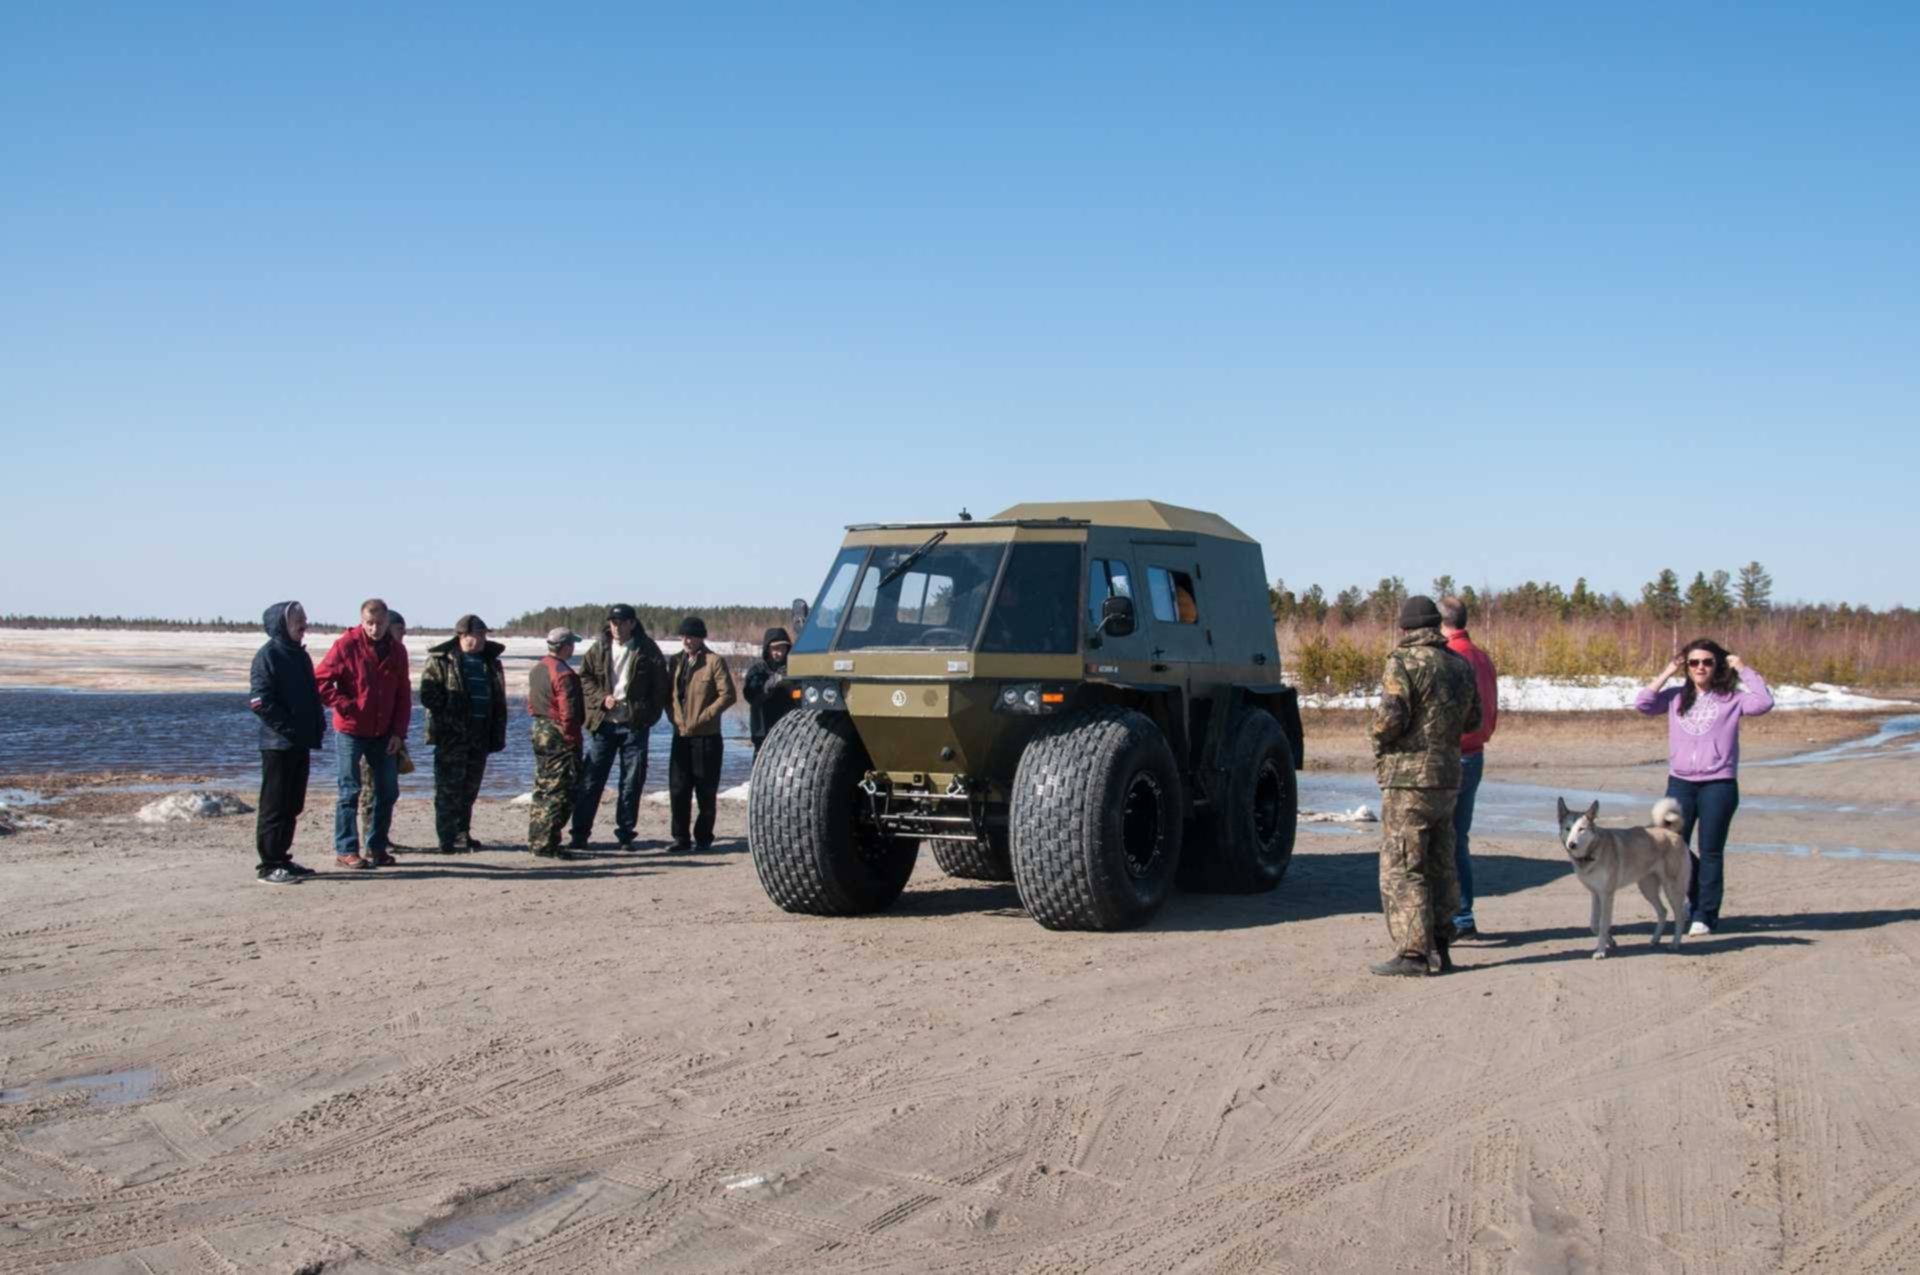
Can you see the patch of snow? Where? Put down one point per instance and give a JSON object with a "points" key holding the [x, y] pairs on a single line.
{"points": [[524, 799], [1601, 694], [1359, 814], [663, 797], [196, 803]]}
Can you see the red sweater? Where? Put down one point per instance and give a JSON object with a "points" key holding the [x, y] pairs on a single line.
{"points": [[370, 697], [1462, 645]]}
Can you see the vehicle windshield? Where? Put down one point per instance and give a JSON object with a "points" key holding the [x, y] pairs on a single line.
{"points": [[1037, 611], [935, 604]]}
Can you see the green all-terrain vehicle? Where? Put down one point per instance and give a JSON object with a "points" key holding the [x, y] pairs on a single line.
{"points": [[1084, 699]]}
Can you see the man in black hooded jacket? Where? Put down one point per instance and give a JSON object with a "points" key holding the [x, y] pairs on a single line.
{"points": [[765, 686], [283, 696]]}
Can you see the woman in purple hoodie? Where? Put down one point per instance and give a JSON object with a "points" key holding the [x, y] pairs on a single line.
{"points": [[1703, 739]]}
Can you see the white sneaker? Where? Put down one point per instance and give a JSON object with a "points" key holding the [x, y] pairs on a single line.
{"points": [[1698, 928]]}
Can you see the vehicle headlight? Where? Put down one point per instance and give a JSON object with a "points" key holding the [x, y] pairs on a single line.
{"points": [[830, 695], [813, 695], [1029, 699]]}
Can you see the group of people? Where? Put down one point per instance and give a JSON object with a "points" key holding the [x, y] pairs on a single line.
{"points": [[587, 726], [1439, 705]]}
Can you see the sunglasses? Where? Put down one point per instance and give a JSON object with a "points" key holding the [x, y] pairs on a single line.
{"points": [[1708, 662]]}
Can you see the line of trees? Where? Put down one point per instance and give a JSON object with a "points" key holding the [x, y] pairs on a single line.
{"points": [[724, 623], [1542, 629], [1715, 597], [218, 624]]}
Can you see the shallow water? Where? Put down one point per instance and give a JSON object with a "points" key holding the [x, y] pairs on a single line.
{"points": [[1897, 736], [488, 1217], [214, 733], [110, 1088], [1524, 810]]}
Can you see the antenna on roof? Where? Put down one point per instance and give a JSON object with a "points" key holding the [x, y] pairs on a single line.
{"points": [[964, 515]]}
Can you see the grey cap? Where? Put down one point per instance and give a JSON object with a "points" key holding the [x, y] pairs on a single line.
{"points": [[469, 624], [561, 636]]}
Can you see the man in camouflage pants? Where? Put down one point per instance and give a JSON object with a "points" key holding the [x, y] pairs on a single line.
{"points": [[465, 694], [1428, 699], [559, 712]]}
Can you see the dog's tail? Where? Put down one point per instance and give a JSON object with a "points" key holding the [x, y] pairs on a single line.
{"points": [[1667, 814]]}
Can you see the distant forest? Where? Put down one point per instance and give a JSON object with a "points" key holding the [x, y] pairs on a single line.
{"points": [[1534, 629], [218, 624], [724, 623]]}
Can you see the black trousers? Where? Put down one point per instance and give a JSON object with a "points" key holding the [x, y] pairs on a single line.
{"points": [[693, 770], [283, 795]]}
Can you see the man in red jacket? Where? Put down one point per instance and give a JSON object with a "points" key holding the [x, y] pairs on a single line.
{"points": [[555, 703], [1473, 757], [364, 680]]}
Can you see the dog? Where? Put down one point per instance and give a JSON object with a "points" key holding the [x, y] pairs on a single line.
{"points": [[1608, 860]]}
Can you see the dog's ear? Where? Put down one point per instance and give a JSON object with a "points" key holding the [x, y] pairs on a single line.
{"points": [[1562, 803], [1593, 813]]}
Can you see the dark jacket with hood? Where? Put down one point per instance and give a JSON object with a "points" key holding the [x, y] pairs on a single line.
{"points": [[283, 695], [647, 687], [443, 691], [765, 687]]}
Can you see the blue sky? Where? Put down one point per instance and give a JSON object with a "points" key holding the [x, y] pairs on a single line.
{"points": [[485, 307]]}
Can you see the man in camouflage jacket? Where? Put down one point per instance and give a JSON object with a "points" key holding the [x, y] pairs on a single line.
{"points": [[464, 690], [1428, 699], [555, 704]]}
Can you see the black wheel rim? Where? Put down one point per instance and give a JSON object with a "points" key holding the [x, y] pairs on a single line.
{"points": [[1140, 826], [1269, 805]]}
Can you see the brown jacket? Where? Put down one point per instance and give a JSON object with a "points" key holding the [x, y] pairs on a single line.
{"points": [[646, 683], [709, 691]]}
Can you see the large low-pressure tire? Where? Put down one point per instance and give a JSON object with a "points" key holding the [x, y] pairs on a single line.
{"points": [[1244, 844], [813, 855], [972, 861], [1096, 821]]}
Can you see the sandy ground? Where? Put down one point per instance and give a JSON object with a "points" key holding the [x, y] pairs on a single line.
{"points": [[636, 1063]]}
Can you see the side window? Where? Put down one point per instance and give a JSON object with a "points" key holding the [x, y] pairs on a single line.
{"points": [[860, 619], [1171, 595], [832, 600], [1106, 578]]}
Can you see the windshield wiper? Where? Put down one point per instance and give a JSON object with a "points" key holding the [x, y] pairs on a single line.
{"points": [[905, 564]]}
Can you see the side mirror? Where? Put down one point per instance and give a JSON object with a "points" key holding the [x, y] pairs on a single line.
{"points": [[1116, 616]]}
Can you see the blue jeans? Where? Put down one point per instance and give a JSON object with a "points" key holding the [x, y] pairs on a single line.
{"points": [[1710, 806], [629, 746], [1472, 767], [347, 752]]}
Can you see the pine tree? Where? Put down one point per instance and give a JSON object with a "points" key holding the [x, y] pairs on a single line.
{"points": [[1756, 590], [1661, 596], [1313, 604], [1707, 600], [1442, 587], [1384, 602], [1583, 601], [1349, 603]]}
